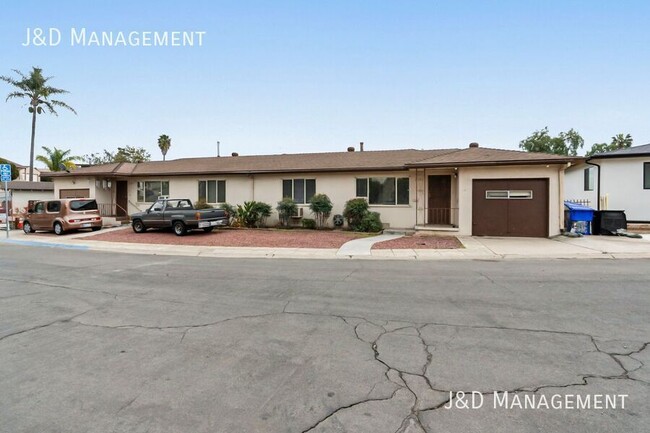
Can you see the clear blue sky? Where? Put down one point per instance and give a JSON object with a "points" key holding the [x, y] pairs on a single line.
{"points": [[307, 76]]}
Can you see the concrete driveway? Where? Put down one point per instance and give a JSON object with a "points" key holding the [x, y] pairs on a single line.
{"points": [[107, 342]]}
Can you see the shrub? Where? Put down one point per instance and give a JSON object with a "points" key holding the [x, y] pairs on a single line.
{"points": [[355, 210], [286, 208], [308, 223], [252, 213], [370, 223], [230, 210], [202, 204], [321, 206]]}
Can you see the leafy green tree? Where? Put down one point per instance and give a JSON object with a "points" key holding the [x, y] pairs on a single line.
{"points": [[566, 143], [321, 206], [15, 172], [164, 143], [57, 159], [34, 88], [619, 141], [123, 154]]}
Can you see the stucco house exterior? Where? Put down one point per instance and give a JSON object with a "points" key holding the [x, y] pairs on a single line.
{"points": [[618, 180], [474, 190], [21, 192]]}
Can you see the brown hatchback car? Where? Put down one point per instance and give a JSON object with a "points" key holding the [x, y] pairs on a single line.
{"points": [[63, 215]]}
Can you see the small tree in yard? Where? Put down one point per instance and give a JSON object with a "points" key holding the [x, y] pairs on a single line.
{"points": [[286, 208], [321, 206]]}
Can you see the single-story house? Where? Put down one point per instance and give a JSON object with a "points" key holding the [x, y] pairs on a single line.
{"points": [[22, 192], [617, 180], [474, 190]]}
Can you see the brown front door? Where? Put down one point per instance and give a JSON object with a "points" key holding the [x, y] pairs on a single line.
{"points": [[439, 204], [121, 197], [510, 207]]}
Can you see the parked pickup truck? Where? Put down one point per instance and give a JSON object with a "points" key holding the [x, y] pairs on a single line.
{"points": [[180, 215]]}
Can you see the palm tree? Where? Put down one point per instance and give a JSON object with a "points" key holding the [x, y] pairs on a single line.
{"points": [[621, 141], [164, 142], [34, 88], [57, 159]]}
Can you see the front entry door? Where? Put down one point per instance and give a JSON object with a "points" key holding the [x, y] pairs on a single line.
{"points": [[121, 197], [439, 203]]}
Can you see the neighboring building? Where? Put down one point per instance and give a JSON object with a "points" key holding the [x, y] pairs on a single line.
{"points": [[39, 173], [470, 191], [22, 192], [618, 180]]}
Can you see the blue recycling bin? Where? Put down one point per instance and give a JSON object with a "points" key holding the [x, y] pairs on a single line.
{"points": [[579, 217]]}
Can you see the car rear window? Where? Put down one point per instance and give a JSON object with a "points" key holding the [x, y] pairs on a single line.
{"points": [[80, 205]]}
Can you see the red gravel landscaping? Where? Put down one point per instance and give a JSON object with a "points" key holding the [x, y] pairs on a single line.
{"points": [[269, 238], [419, 243]]}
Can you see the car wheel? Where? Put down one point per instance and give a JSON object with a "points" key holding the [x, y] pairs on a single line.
{"points": [[96, 228], [27, 227], [208, 229], [179, 228], [58, 228], [138, 226]]}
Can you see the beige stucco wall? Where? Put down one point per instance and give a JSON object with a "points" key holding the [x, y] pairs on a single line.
{"points": [[554, 173], [340, 187], [74, 183], [20, 199]]}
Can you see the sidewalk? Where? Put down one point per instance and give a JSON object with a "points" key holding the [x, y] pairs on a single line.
{"points": [[475, 248]]}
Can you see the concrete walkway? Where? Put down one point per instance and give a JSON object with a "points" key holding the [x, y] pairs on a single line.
{"points": [[363, 246], [474, 248]]}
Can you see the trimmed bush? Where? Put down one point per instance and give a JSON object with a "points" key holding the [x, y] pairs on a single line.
{"points": [[355, 210], [308, 223], [286, 208], [321, 206], [370, 223]]}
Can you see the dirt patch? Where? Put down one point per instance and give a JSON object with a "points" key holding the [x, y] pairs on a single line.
{"points": [[419, 243], [268, 238]]}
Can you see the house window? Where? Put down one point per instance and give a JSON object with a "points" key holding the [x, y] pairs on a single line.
{"points": [[589, 179], [508, 194], [300, 190], [646, 175], [212, 191], [384, 190], [149, 191]]}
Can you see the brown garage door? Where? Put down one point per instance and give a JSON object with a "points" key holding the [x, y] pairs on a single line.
{"points": [[510, 207], [74, 193]]}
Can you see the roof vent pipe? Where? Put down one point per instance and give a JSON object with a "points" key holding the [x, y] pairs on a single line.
{"points": [[361, 146], [234, 154], [351, 149], [473, 144]]}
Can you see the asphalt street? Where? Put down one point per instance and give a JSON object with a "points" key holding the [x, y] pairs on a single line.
{"points": [[105, 342]]}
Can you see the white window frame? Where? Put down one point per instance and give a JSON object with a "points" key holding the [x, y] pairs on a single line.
{"points": [[396, 179], [216, 181], [144, 191]]}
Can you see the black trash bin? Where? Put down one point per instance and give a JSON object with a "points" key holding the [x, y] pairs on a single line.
{"points": [[607, 222]]}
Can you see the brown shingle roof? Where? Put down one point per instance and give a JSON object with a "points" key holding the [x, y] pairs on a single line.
{"points": [[319, 162], [485, 156]]}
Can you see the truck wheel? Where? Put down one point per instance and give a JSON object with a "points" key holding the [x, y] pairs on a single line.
{"points": [[138, 226], [58, 228], [208, 229], [27, 227], [179, 228]]}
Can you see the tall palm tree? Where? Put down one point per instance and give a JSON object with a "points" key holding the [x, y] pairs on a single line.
{"points": [[164, 143], [57, 159], [34, 88]]}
